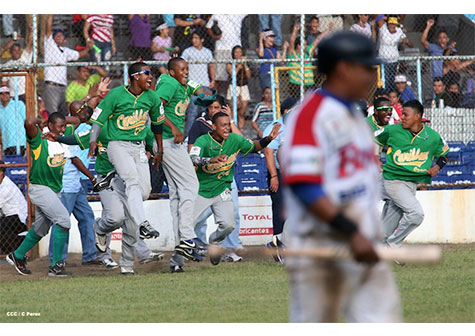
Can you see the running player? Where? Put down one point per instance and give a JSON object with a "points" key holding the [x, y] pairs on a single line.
{"points": [[215, 155], [174, 90], [331, 194], [46, 175], [412, 148], [127, 108]]}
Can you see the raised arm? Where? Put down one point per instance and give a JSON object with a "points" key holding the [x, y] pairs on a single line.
{"points": [[293, 37], [49, 25], [429, 25], [85, 29], [259, 144], [30, 126], [260, 50]]}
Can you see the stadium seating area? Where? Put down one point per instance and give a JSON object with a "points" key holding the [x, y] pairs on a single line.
{"points": [[460, 167]]}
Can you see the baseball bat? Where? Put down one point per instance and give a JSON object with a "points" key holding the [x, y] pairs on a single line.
{"points": [[416, 254]]}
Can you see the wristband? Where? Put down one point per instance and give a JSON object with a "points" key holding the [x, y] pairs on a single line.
{"points": [[441, 162], [343, 225], [265, 141]]}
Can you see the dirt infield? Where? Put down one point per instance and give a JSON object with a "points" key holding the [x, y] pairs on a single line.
{"points": [[39, 267]]}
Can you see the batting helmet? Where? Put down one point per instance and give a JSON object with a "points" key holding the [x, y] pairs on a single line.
{"points": [[345, 46]]}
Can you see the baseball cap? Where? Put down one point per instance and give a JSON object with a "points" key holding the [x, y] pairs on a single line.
{"points": [[56, 31], [400, 79], [162, 26], [287, 104], [269, 33], [393, 20], [4, 89]]}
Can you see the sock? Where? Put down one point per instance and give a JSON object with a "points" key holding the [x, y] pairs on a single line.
{"points": [[30, 240], [60, 235]]}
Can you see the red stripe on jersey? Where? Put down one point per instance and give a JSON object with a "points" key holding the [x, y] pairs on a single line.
{"points": [[303, 131], [296, 179]]}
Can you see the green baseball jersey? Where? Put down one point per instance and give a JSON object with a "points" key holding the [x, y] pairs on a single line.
{"points": [[103, 165], [127, 114], [177, 98], [409, 157], [46, 169], [373, 124], [216, 177]]}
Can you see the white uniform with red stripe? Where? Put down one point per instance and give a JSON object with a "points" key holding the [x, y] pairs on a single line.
{"points": [[329, 143]]}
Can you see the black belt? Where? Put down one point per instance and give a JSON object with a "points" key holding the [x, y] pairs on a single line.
{"points": [[54, 84], [134, 142]]}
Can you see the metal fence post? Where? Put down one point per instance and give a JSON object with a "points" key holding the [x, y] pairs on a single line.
{"points": [[234, 84], [382, 75], [302, 56], [126, 74], [419, 79], [272, 87]]}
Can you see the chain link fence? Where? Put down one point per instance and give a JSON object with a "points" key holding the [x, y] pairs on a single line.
{"points": [[253, 61]]}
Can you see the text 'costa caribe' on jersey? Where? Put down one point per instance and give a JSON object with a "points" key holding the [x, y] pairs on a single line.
{"points": [[177, 98], [214, 178], [128, 114], [409, 157], [328, 142]]}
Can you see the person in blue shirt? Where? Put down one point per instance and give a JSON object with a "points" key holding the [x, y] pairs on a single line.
{"points": [[274, 178], [266, 50], [12, 117], [405, 92]]}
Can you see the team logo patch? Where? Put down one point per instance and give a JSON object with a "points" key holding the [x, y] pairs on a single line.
{"points": [[135, 121], [413, 158], [56, 161], [97, 113]]}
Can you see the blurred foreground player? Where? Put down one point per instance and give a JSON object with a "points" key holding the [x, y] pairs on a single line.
{"points": [[332, 194]]}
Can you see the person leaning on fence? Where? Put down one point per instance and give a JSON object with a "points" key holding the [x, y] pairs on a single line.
{"points": [[78, 89], [45, 177], [140, 37], [243, 74], [13, 213], [439, 97], [403, 88], [454, 69], [441, 48], [390, 37], [19, 59], [12, 116], [294, 52], [263, 113], [412, 149], [266, 50], [56, 77]]}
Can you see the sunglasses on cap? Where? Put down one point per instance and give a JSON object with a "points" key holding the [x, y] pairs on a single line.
{"points": [[145, 72]]}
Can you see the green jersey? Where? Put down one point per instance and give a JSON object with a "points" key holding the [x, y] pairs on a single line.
{"points": [[373, 124], [294, 74], [409, 157], [216, 177], [47, 168], [177, 98], [127, 114], [103, 165]]}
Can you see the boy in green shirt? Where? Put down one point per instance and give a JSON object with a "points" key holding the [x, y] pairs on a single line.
{"points": [[46, 176], [174, 90], [215, 154], [412, 148]]}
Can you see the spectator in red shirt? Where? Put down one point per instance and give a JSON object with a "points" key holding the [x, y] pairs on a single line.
{"points": [[102, 34]]}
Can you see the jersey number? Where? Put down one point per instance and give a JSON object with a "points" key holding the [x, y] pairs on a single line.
{"points": [[351, 160]]}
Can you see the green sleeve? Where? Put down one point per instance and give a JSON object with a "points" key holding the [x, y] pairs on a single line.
{"points": [[36, 141], [246, 145], [382, 136], [149, 139], [157, 114], [193, 86], [83, 139], [442, 148], [165, 89], [198, 146], [69, 129], [104, 109]]}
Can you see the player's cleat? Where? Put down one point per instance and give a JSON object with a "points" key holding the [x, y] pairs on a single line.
{"points": [[277, 246], [176, 269], [153, 256], [188, 244], [110, 263], [215, 258], [19, 264], [59, 270], [101, 242], [146, 231], [188, 253], [231, 257], [105, 183], [127, 270], [200, 244]]}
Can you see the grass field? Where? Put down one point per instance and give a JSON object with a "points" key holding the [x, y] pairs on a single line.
{"points": [[252, 291]]}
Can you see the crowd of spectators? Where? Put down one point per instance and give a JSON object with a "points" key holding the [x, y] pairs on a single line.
{"points": [[216, 39]]}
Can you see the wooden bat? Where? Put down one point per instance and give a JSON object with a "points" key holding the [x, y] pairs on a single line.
{"points": [[416, 254]]}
